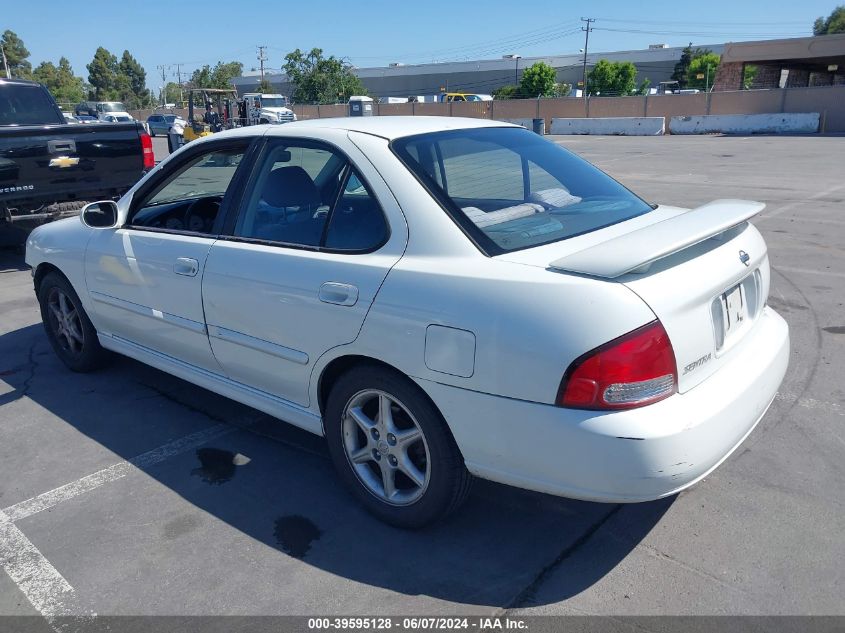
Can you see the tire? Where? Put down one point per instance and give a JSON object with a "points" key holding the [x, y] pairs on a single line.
{"points": [[68, 327], [440, 482]]}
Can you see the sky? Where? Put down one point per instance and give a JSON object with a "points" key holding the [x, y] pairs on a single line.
{"points": [[377, 32]]}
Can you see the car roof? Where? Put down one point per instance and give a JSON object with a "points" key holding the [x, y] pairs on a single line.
{"points": [[392, 127]]}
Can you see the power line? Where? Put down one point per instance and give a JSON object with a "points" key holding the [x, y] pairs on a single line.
{"points": [[699, 23], [701, 33]]}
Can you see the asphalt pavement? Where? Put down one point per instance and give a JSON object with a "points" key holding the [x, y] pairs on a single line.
{"points": [[128, 491]]}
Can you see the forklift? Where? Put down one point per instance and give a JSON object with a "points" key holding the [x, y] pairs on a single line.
{"points": [[217, 115]]}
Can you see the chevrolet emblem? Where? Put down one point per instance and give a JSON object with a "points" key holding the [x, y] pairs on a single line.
{"points": [[63, 161]]}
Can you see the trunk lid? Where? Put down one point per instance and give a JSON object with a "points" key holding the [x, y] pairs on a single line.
{"points": [[703, 272]]}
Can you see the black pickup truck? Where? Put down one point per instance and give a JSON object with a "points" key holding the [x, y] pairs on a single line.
{"points": [[49, 168]]}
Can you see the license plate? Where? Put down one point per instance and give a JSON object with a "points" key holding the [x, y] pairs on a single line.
{"points": [[735, 309]]}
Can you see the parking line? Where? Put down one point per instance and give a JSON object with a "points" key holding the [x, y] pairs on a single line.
{"points": [[811, 403], [768, 215], [41, 583], [807, 271], [37, 579], [112, 473]]}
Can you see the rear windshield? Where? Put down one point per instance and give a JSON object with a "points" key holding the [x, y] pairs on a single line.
{"points": [[510, 189], [27, 105]]}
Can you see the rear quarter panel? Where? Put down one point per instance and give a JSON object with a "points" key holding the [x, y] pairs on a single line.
{"points": [[529, 324]]}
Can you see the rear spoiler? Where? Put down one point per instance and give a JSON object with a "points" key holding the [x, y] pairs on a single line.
{"points": [[638, 249]]}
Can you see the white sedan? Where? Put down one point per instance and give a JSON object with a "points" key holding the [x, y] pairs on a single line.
{"points": [[441, 298]]}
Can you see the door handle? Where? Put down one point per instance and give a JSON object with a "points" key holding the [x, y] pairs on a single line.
{"points": [[340, 294], [186, 266], [58, 146]]}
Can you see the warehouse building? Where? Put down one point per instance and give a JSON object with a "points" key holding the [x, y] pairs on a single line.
{"points": [[483, 76]]}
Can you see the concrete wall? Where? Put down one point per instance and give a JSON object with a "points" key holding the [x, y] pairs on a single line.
{"points": [[781, 123], [528, 124], [829, 102], [745, 102], [616, 107], [673, 105], [621, 126]]}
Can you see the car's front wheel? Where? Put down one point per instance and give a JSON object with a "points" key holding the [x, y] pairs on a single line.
{"points": [[392, 448], [68, 327]]}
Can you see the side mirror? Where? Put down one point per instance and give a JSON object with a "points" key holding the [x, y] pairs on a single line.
{"points": [[99, 215]]}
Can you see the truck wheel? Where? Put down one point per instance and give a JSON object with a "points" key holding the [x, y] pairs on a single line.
{"points": [[69, 330], [392, 448]]}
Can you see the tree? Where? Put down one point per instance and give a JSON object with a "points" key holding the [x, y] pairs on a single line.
{"points": [[681, 71], [222, 74], [689, 66], [704, 65], [749, 73], [643, 88], [834, 23], [218, 77], [507, 92], [16, 55], [265, 87], [172, 93], [201, 77], [102, 73], [562, 90], [612, 79], [131, 75], [319, 79], [60, 81], [538, 80]]}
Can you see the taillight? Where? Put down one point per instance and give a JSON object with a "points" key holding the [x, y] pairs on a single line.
{"points": [[147, 150], [631, 371]]}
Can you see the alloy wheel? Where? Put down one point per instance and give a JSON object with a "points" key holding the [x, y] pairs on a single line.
{"points": [[65, 322], [386, 447]]}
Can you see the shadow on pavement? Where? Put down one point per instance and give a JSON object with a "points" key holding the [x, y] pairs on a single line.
{"points": [[275, 484]]}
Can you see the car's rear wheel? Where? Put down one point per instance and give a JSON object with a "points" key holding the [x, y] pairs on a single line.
{"points": [[68, 327], [392, 448]]}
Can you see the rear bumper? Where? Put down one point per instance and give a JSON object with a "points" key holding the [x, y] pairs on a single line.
{"points": [[625, 456]]}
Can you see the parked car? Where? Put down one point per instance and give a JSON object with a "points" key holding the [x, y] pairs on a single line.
{"points": [[440, 298], [85, 118], [115, 118], [102, 110], [161, 123], [49, 169], [462, 96], [69, 118]]}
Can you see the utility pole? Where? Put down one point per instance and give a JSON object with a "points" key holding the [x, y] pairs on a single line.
{"points": [[179, 81], [261, 59], [586, 30], [5, 63], [163, 70]]}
